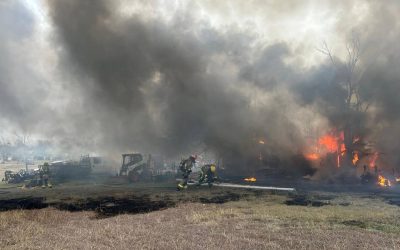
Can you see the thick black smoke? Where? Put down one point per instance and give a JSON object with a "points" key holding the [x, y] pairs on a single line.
{"points": [[180, 85], [169, 88]]}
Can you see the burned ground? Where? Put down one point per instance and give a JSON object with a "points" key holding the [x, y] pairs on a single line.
{"points": [[110, 200], [160, 218], [142, 216]]}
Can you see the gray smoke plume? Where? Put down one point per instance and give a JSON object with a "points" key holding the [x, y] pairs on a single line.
{"points": [[15, 93], [157, 87], [181, 85]]}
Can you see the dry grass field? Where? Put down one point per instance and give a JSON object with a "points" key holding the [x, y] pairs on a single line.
{"points": [[260, 221]]}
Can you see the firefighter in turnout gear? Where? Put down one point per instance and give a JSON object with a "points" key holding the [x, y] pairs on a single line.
{"points": [[45, 175], [186, 168], [208, 174]]}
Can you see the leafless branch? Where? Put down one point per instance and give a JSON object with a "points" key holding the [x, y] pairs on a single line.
{"points": [[327, 51]]}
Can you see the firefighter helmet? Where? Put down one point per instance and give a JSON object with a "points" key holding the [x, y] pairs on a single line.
{"points": [[212, 168]]}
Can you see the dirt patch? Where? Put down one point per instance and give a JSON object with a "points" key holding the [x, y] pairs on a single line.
{"points": [[24, 203], [323, 197], [111, 206], [104, 207], [219, 199], [306, 201], [107, 206], [355, 223], [394, 202]]}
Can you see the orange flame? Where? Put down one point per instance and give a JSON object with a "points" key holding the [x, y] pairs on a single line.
{"points": [[373, 160], [250, 179], [330, 142], [355, 158], [312, 156], [383, 182], [342, 149]]}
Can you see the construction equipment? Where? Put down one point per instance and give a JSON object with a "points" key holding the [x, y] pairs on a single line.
{"points": [[20, 176], [63, 170], [137, 167], [146, 167]]}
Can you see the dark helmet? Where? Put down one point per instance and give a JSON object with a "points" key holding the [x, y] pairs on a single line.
{"points": [[193, 157]]}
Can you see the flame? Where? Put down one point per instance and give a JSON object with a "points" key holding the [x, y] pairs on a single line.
{"points": [[312, 156], [261, 142], [373, 160], [398, 179], [355, 158], [330, 143], [250, 179], [342, 149], [383, 182]]}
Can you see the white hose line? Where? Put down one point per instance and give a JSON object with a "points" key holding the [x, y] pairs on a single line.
{"points": [[224, 184]]}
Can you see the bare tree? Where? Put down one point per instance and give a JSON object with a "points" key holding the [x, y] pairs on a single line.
{"points": [[22, 139], [22, 144], [351, 76], [5, 146], [354, 105]]}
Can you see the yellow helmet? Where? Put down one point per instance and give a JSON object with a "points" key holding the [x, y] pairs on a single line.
{"points": [[212, 168]]}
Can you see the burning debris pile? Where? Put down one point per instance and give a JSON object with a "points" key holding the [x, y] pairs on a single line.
{"points": [[329, 151], [383, 182]]}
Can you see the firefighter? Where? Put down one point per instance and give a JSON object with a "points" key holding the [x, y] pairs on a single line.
{"points": [[186, 168], [45, 175], [208, 173]]}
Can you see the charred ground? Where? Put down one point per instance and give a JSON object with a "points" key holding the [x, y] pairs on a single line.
{"points": [[120, 215]]}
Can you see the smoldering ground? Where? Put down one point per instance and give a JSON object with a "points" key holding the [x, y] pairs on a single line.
{"points": [[180, 84]]}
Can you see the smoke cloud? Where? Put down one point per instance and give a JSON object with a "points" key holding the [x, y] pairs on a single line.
{"points": [[128, 77]]}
